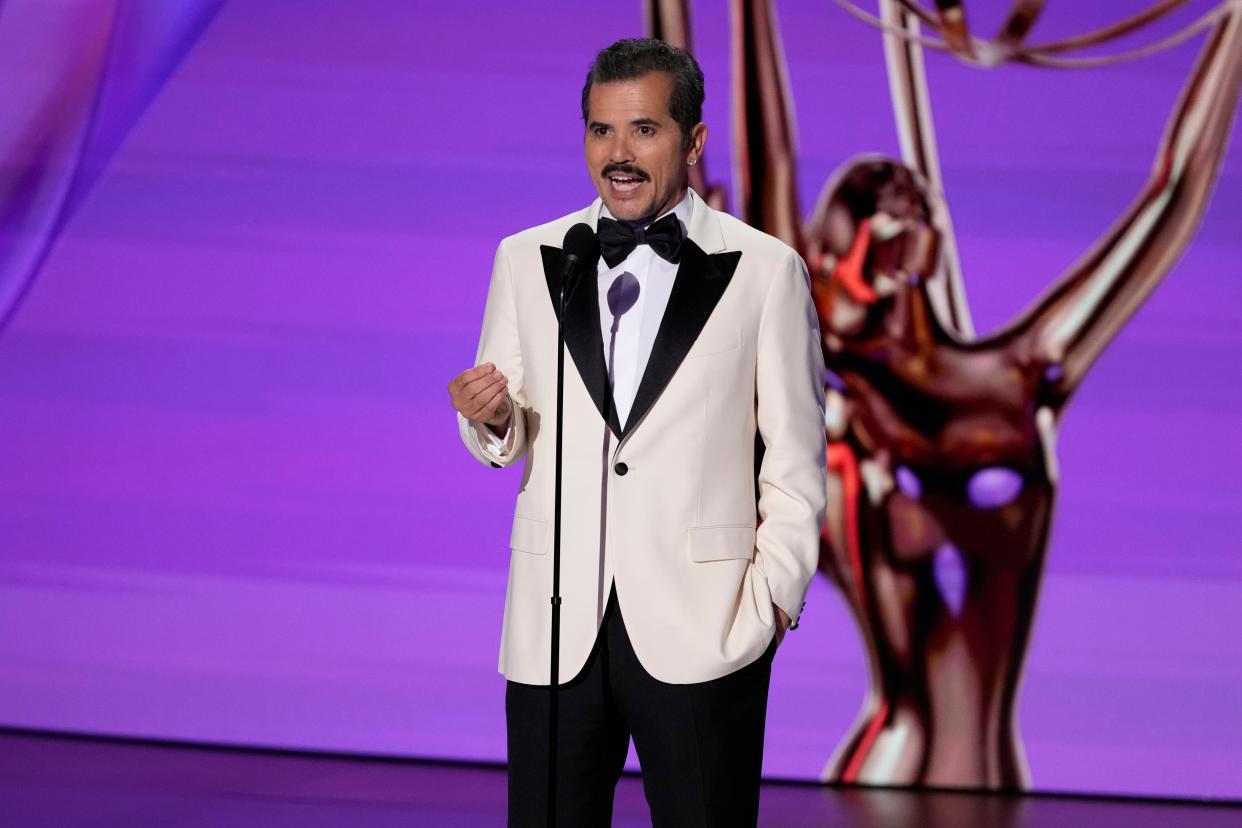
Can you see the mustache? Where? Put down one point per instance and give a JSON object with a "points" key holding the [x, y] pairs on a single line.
{"points": [[625, 169]]}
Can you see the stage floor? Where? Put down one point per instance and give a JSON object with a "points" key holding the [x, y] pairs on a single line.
{"points": [[66, 781]]}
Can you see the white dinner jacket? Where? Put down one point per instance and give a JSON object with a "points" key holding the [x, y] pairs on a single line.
{"points": [[666, 507]]}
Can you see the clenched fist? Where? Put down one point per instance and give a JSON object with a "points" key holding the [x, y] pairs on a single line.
{"points": [[481, 394]]}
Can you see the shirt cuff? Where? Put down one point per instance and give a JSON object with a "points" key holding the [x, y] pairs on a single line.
{"points": [[500, 446]]}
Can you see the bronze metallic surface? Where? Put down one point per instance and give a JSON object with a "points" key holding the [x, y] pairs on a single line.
{"points": [[942, 444]]}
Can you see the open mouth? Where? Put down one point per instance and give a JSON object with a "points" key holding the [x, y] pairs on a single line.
{"points": [[623, 184]]}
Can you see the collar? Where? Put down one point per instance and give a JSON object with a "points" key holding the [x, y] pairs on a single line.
{"points": [[702, 222], [684, 210]]}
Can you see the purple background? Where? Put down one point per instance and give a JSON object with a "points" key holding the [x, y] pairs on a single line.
{"points": [[233, 504]]}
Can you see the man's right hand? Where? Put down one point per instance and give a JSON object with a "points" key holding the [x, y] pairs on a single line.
{"points": [[481, 394]]}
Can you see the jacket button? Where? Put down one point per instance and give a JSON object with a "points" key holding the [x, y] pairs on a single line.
{"points": [[621, 468]]}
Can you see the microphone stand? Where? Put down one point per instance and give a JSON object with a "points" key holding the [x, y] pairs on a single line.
{"points": [[579, 241], [554, 689]]}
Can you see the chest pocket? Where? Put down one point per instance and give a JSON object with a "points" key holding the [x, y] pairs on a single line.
{"points": [[718, 342]]}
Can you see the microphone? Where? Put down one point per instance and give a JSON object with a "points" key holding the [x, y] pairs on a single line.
{"points": [[580, 248]]}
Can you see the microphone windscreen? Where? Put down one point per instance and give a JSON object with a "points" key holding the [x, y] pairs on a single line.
{"points": [[580, 242]]}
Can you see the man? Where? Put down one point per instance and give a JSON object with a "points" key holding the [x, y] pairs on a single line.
{"points": [[692, 334]]}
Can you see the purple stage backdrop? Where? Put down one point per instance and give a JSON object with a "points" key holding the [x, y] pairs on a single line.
{"points": [[233, 503]]}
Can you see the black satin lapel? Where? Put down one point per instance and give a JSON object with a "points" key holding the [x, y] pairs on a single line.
{"points": [[582, 334], [701, 281]]}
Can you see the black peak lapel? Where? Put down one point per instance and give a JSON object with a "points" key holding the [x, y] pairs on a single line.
{"points": [[582, 334], [701, 281]]}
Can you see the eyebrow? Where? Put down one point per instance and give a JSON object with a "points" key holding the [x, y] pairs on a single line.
{"points": [[637, 122]]}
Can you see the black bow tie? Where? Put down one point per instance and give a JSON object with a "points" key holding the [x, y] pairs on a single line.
{"points": [[618, 240]]}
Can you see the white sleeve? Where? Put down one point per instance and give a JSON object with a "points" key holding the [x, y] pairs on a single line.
{"points": [[792, 476], [500, 345]]}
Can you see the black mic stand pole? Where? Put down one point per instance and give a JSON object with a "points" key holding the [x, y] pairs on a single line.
{"points": [[554, 688]]}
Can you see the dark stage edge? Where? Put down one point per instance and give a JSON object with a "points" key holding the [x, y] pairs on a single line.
{"points": [[54, 780]]}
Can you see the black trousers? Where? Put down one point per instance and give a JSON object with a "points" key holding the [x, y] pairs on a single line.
{"points": [[700, 745]]}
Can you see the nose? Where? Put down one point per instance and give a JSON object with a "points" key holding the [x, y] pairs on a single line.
{"points": [[620, 151]]}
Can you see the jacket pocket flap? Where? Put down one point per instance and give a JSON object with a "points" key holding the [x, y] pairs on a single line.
{"points": [[722, 543], [530, 536], [714, 343]]}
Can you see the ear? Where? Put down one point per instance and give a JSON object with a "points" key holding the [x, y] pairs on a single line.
{"points": [[698, 138]]}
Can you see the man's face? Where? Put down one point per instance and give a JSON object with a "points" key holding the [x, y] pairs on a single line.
{"points": [[635, 151]]}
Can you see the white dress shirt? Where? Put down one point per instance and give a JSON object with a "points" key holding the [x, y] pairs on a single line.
{"points": [[632, 299]]}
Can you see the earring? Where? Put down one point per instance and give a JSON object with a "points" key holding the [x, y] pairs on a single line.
{"points": [[692, 160]]}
